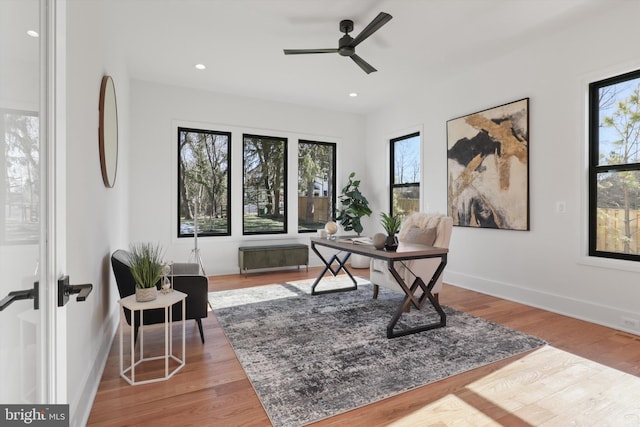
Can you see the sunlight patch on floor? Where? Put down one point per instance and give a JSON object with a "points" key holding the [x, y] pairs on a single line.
{"points": [[448, 411], [290, 289], [548, 387], [271, 294]]}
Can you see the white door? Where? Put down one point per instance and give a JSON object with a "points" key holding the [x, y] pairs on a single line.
{"points": [[28, 326]]}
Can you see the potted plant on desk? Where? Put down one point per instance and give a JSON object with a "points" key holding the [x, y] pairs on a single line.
{"points": [[391, 225], [147, 266]]}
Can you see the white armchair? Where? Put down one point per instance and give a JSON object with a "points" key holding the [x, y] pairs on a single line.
{"points": [[421, 228]]}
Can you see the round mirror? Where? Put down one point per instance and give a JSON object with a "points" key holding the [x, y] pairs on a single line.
{"points": [[108, 131]]}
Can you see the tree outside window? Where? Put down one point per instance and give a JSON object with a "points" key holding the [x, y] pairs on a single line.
{"points": [[614, 170], [265, 185], [204, 180], [405, 175], [20, 207], [316, 184]]}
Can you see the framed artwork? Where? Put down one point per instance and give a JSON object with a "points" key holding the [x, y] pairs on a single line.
{"points": [[488, 168]]}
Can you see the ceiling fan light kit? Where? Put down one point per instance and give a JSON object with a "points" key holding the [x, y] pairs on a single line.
{"points": [[347, 44]]}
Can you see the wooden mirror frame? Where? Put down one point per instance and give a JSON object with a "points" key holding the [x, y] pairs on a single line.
{"points": [[108, 132]]}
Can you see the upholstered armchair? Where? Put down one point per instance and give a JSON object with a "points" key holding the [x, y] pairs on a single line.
{"points": [[186, 279], [418, 228]]}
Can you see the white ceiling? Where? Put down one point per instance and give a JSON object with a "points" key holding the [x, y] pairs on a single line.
{"points": [[241, 42]]}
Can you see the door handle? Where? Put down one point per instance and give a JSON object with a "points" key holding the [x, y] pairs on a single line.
{"points": [[65, 289], [20, 295]]}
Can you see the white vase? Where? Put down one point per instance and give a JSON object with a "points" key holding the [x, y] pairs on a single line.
{"points": [[359, 261], [378, 240], [146, 294]]}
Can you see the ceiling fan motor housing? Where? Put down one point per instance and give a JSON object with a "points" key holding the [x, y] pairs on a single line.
{"points": [[344, 46], [346, 26]]}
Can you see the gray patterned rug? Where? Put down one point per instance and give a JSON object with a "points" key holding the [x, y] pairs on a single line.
{"points": [[312, 357]]}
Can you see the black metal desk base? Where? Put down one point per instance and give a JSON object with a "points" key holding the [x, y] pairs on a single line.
{"points": [[419, 303], [328, 266], [410, 297]]}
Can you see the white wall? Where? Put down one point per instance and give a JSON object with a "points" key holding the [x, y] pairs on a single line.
{"points": [[97, 220], [157, 110], [547, 266]]}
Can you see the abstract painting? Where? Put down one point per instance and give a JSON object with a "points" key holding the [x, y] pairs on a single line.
{"points": [[488, 168]]}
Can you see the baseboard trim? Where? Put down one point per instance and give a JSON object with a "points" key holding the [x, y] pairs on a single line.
{"points": [[588, 311]]}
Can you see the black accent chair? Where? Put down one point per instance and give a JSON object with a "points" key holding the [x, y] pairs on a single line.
{"points": [[195, 286]]}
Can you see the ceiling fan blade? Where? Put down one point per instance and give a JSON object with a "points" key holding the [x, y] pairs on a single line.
{"points": [[305, 51], [373, 26], [363, 64]]}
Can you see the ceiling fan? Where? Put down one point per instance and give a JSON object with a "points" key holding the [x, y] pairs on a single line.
{"points": [[347, 44]]}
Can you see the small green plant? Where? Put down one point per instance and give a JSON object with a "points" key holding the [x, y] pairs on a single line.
{"points": [[390, 223], [146, 263], [354, 206]]}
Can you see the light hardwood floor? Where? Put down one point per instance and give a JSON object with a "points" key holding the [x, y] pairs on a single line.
{"points": [[568, 382]]}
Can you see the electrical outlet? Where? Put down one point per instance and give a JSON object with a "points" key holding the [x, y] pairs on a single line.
{"points": [[630, 323], [561, 207]]}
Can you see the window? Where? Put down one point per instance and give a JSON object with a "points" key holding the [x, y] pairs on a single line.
{"points": [[204, 180], [265, 185], [614, 167], [19, 213], [405, 175], [316, 184]]}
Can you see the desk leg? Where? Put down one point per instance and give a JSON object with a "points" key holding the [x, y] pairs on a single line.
{"points": [[328, 267], [418, 283]]}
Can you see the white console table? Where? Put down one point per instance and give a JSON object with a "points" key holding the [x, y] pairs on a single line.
{"points": [[166, 302]]}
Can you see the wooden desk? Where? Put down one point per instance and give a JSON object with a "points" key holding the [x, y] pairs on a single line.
{"points": [[405, 252]]}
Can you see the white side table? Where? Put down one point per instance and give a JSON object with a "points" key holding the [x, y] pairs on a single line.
{"points": [[165, 301]]}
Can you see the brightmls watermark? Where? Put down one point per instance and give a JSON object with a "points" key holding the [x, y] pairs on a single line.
{"points": [[34, 415]]}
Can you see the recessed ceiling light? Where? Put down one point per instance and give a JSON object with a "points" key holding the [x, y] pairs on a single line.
{"points": [[200, 66], [33, 33], [353, 94]]}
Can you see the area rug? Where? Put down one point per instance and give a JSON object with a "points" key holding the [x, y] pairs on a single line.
{"points": [[312, 357]]}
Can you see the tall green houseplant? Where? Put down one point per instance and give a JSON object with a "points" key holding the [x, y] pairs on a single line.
{"points": [[353, 206], [146, 264]]}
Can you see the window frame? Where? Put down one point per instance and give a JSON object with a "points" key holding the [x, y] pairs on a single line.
{"points": [[595, 168], [181, 235], [392, 178], [285, 185], [333, 181]]}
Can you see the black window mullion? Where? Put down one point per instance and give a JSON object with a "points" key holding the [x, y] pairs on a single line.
{"points": [[609, 248], [271, 225], [217, 218], [393, 185]]}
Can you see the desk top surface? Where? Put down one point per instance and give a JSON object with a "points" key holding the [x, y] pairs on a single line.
{"points": [[405, 251]]}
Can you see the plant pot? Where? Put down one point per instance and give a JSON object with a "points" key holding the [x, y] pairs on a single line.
{"points": [[391, 244], [146, 294]]}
